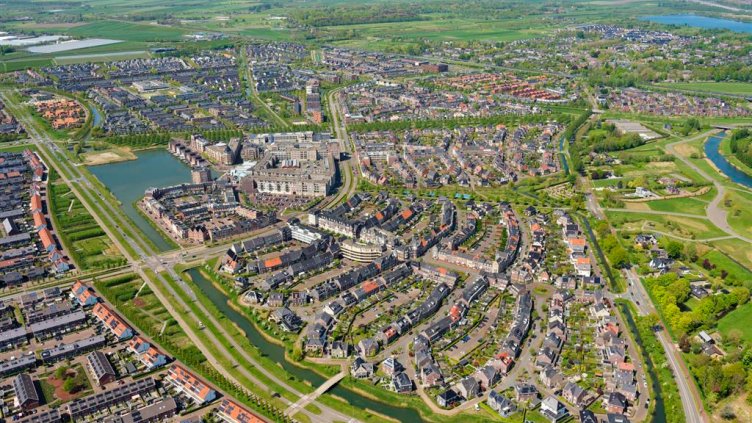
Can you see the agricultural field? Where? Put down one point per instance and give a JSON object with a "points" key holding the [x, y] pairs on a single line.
{"points": [[733, 88], [127, 31], [84, 241]]}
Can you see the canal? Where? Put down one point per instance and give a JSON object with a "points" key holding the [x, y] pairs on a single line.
{"points": [[277, 353], [659, 412], [712, 152], [128, 181]]}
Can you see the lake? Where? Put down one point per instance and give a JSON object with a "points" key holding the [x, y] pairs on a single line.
{"points": [[128, 181], [712, 152], [698, 21]]}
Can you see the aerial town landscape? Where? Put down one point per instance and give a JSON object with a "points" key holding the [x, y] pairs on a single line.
{"points": [[376, 211]]}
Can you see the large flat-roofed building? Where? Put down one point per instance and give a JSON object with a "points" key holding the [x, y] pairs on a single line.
{"points": [[91, 404], [27, 396], [157, 412], [304, 169], [100, 368]]}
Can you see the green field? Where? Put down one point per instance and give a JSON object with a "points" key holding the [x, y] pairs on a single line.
{"points": [[681, 205], [84, 241], [738, 320], [723, 262], [144, 310], [444, 30], [127, 31], [678, 226], [734, 88]]}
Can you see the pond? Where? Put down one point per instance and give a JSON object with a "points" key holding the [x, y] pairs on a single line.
{"points": [[277, 353], [698, 21], [129, 180], [712, 152]]}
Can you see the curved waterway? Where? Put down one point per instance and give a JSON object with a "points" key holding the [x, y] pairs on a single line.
{"points": [[96, 116], [712, 152], [277, 353], [129, 180]]}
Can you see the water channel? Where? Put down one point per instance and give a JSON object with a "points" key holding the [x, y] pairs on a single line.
{"points": [[128, 181], [712, 152], [277, 353], [659, 412]]}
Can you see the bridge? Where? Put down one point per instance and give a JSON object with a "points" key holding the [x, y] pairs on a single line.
{"points": [[308, 398]]}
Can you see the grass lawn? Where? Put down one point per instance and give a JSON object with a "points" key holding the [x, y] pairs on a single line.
{"points": [[679, 205], [728, 264], [738, 320], [739, 206], [683, 227], [736, 249]]}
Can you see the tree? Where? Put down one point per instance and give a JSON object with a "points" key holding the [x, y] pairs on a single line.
{"points": [[674, 249], [69, 385], [60, 372], [619, 257], [690, 251]]}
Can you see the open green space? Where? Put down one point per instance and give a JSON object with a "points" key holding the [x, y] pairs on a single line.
{"points": [[735, 88], [127, 31], [678, 226], [689, 205], [84, 241], [738, 320]]}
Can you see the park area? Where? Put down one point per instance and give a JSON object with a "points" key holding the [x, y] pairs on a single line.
{"points": [[65, 384], [84, 241], [140, 305]]}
